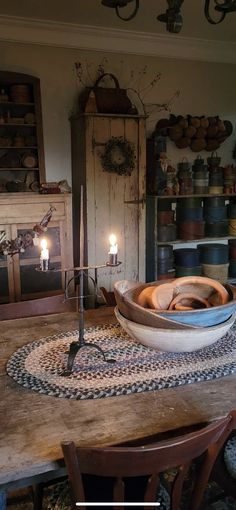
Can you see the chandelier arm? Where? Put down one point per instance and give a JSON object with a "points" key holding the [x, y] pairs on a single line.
{"points": [[207, 14], [226, 5], [132, 15]]}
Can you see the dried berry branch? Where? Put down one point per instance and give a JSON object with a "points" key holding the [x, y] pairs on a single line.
{"points": [[135, 84], [22, 242]]}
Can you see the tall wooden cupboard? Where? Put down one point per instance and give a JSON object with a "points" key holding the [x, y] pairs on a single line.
{"points": [[113, 203]]}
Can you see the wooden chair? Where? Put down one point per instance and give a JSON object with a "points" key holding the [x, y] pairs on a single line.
{"points": [[124, 463], [220, 473], [108, 296], [34, 307]]}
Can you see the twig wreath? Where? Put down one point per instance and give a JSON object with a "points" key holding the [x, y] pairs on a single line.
{"points": [[118, 156]]}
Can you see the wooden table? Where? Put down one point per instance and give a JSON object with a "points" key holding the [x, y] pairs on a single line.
{"points": [[33, 425]]}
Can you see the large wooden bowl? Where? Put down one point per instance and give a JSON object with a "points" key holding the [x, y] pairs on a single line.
{"points": [[127, 292], [170, 340]]}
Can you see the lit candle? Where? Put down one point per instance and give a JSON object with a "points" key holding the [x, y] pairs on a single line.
{"points": [[44, 256], [113, 250]]}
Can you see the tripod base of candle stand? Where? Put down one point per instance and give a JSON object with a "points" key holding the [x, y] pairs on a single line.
{"points": [[74, 348]]}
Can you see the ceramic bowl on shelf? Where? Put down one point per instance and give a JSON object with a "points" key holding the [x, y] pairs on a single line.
{"points": [[170, 340], [127, 293]]}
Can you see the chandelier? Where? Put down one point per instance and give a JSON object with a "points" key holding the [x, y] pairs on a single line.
{"points": [[173, 17]]}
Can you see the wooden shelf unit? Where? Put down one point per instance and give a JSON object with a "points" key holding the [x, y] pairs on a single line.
{"points": [[151, 229], [11, 129]]}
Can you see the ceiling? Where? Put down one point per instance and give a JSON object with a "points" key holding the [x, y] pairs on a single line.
{"points": [[92, 13]]}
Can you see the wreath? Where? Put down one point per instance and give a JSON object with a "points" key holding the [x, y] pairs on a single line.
{"points": [[118, 156]]}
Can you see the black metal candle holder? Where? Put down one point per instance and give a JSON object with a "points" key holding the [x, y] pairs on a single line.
{"points": [[79, 276], [81, 342]]}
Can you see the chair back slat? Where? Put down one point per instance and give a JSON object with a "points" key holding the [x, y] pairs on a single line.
{"points": [[177, 486], [109, 297], [119, 490], [35, 307], [150, 460], [152, 487]]}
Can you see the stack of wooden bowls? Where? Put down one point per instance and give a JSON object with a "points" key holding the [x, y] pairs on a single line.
{"points": [[156, 315]]}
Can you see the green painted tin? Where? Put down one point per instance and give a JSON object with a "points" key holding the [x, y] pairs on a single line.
{"points": [[214, 202], [190, 202], [188, 271], [166, 233], [217, 229]]}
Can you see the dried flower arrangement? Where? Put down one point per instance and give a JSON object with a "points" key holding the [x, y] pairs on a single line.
{"points": [[138, 85], [22, 242]]}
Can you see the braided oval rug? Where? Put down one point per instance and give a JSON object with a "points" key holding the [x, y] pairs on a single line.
{"points": [[39, 365]]}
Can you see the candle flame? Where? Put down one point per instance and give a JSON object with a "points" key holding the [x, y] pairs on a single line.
{"points": [[112, 239], [44, 244]]}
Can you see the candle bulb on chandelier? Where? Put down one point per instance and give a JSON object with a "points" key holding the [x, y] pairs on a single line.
{"points": [[113, 251], [44, 256]]}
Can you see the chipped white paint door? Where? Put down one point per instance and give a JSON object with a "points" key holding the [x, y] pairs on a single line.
{"points": [[114, 203]]}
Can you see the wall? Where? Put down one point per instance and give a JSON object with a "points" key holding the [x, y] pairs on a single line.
{"points": [[205, 88]]}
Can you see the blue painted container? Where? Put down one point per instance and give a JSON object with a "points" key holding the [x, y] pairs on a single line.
{"points": [[164, 252], [213, 253], [212, 214], [187, 257], [165, 265], [191, 213]]}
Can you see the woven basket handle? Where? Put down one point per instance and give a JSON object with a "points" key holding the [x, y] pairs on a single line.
{"points": [[111, 76]]}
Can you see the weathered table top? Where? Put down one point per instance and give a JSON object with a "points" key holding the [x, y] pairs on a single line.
{"points": [[33, 425]]}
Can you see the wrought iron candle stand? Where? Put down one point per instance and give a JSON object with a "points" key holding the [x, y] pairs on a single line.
{"points": [[79, 276], [81, 342]]}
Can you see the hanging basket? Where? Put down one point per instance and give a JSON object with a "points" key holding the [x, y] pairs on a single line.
{"points": [[108, 99]]}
